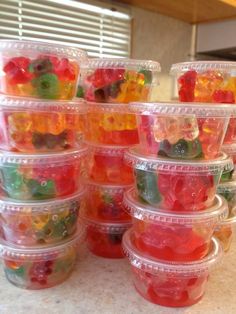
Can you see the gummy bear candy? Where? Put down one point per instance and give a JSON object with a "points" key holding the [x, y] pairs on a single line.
{"points": [[47, 86]]}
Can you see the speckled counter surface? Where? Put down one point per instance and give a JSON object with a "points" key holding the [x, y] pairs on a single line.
{"points": [[104, 286]]}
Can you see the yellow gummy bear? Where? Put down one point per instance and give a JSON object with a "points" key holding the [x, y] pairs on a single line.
{"points": [[20, 121]]}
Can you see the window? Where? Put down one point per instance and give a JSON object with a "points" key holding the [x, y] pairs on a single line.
{"points": [[93, 26]]}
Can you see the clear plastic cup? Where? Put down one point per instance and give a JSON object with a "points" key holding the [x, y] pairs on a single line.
{"points": [[182, 130], [104, 238], [187, 185], [111, 124], [172, 284], [41, 176], [225, 230], [104, 202], [39, 70], [227, 175], [40, 267], [40, 222], [208, 81], [106, 165], [31, 125], [119, 80], [228, 191], [173, 236]]}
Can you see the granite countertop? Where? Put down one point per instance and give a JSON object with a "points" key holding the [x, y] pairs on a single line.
{"points": [[104, 286]]}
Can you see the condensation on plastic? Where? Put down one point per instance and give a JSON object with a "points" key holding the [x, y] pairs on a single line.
{"points": [[44, 48], [106, 227], [201, 110], [106, 63], [201, 66], [58, 205], [39, 252], [107, 150], [11, 103], [217, 212], [138, 259], [212, 166], [52, 159]]}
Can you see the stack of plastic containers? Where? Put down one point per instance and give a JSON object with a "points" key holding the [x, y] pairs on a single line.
{"points": [[214, 82], [41, 159], [174, 205], [109, 84]]}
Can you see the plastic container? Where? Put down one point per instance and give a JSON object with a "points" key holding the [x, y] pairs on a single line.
{"points": [[111, 124], [42, 176], [176, 185], [107, 165], [225, 230], [104, 202], [172, 284], [230, 150], [31, 125], [104, 238], [173, 236], [39, 70], [208, 81], [40, 267], [182, 130], [228, 191], [45, 222], [119, 80]]}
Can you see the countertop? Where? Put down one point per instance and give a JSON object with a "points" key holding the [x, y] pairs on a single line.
{"points": [[99, 285]]}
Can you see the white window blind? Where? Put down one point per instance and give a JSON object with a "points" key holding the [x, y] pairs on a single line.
{"points": [[93, 26]]}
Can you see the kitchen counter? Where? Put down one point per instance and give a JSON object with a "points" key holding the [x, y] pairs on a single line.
{"points": [[104, 286]]}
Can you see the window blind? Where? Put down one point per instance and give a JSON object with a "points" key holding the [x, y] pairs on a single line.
{"points": [[93, 26]]}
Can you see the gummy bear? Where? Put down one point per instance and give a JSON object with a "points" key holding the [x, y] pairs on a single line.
{"points": [[17, 70], [187, 83], [47, 86]]}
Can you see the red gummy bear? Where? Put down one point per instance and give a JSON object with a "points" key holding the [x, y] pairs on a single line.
{"points": [[40, 271], [64, 70], [183, 192], [223, 96], [187, 83], [103, 77], [17, 70]]}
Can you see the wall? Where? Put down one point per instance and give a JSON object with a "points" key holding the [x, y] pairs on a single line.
{"points": [[161, 38]]}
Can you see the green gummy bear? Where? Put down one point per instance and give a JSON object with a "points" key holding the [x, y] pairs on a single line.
{"points": [[47, 86], [13, 181], [147, 76], [186, 149], [39, 191], [18, 271], [147, 186], [80, 92]]}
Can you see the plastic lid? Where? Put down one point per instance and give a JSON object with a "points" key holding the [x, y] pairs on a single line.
{"points": [[50, 159], [217, 212], [231, 220], [39, 207], [106, 227], [107, 150], [19, 103], [202, 66], [229, 186], [38, 252], [229, 149], [203, 110], [44, 48], [108, 107], [108, 63], [139, 260], [107, 188], [139, 161]]}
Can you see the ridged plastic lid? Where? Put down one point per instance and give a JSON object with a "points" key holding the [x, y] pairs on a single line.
{"points": [[217, 212], [201, 110], [108, 107], [50, 159], [39, 252], [108, 63], [229, 186], [139, 161], [44, 48], [107, 188], [155, 266], [107, 150], [106, 227], [202, 66], [11, 103], [229, 149], [8, 205]]}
